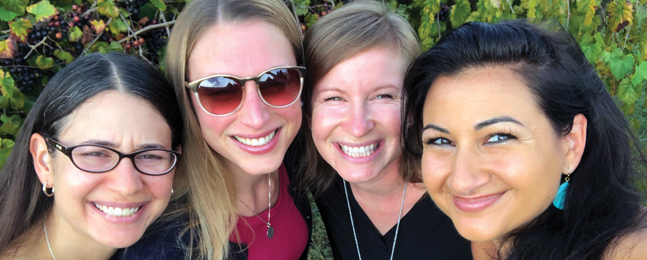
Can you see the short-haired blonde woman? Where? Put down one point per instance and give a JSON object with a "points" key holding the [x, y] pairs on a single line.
{"points": [[369, 195], [234, 67]]}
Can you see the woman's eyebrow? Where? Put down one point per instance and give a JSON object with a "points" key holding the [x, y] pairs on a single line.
{"points": [[495, 120]]}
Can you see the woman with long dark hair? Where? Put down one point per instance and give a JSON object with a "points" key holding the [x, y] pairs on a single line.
{"points": [[93, 165], [522, 145]]}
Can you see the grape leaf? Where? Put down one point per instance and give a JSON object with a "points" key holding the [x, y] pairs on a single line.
{"points": [[424, 31], [115, 46], [87, 35], [7, 48], [532, 9], [10, 125], [301, 7], [7, 143], [42, 10], [619, 13], [6, 15], [117, 26], [6, 84], [310, 19], [159, 4], [107, 8], [16, 6], [587, 7], [64, 56], [98, 26], [75, 34], [44, 63], [620, 64], [627, 93], [640, 75], [460, 11], [20, 28]]}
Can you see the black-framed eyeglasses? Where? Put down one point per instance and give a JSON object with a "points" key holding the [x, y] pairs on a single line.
{"points": [[222, 95], [98, 158]]}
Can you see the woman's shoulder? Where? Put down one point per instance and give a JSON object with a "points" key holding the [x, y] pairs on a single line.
{"points": [[632, 245]]}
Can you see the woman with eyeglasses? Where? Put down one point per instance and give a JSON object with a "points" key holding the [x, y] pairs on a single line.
{"points": [[371, 198], [522, 145], [234, 68], [93, 165]]}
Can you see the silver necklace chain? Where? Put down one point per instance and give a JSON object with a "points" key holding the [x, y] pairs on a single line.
{"points": [[270, 229], [47, 239], [397, 227]]}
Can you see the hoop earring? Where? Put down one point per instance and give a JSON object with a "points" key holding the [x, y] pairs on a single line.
{"points": [[45, 190], [558, 202]]}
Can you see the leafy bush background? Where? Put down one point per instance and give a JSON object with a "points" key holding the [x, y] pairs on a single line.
{"points": [[39, 38]]}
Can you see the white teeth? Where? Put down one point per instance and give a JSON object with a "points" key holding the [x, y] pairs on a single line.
{"points": [[116, 211], [362, 151], [256, 142]]}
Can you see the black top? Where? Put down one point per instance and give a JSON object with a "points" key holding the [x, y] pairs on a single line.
{"points": [[160, 242], [425, 232]]}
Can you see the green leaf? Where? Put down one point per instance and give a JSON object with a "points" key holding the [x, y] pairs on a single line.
{"points": [[75, 34], [301, 7], [620, 64], [6, 15], [532, 9], [7, 143], [64, 56], [640, 75], [42, 10], [627, 93], [16, 6], [310, 19], [107, 8], [586, 7], [619, 13], [20, 28], [10, 125], [147, 10], [44, 63], [424, 31], [459, 13], [115, 46], [159, 4], [117, 26]]}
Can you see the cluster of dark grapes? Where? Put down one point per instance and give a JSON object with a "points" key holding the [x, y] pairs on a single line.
{"points": [[132, 6], [155, 40], [26, 78], [444, 12]]}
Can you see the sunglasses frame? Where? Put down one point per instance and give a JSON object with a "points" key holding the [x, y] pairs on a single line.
{"points": [[193, 86], [67, 151]]}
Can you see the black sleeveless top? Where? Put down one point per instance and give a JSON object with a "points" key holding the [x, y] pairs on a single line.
{"points": [[425, 232]]}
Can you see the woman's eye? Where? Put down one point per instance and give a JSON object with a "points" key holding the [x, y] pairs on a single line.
{"points": [[499, 138], [333, 99], [439, 141], [381, 96]]}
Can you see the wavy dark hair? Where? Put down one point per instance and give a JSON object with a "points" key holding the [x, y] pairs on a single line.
{"points": [[602, 203], [22, 203]]}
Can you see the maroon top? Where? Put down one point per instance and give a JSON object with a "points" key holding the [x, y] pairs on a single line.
{"points": [[290, 230]]}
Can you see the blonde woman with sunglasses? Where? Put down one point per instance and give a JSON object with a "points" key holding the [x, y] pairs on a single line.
{"points": [[234, 67]]}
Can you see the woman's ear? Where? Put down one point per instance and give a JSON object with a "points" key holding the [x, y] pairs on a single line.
{"points": [[42, 159], [575, 142]]}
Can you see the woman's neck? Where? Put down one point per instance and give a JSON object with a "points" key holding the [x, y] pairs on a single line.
{"points": [[66, 242], [254, 191]]}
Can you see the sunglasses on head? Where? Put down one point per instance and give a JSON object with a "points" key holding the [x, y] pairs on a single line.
{"points": [[222, 95]]}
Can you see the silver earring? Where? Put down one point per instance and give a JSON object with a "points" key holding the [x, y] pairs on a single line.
{"points": [[45, 190], [171, 191]]}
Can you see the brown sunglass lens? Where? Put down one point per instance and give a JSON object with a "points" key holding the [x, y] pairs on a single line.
{"points": [[280, 87], [220, 95]]}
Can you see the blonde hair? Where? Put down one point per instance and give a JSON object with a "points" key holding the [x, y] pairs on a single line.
{"points": [[212, 196], [340, 35]]}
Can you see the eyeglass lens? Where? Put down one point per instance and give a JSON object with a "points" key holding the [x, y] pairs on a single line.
{"points": [[222, 95], [98, 159]]}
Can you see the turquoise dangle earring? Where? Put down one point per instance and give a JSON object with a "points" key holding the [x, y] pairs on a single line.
{"points": [[558, 202]]}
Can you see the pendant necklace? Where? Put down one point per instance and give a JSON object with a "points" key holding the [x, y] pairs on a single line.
{"points": [[270, 229], [47, 239], [397, 227]]}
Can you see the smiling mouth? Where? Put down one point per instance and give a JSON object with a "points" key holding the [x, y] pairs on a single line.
{"points": [[116, 211], [256, 142], [359, 151]]}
